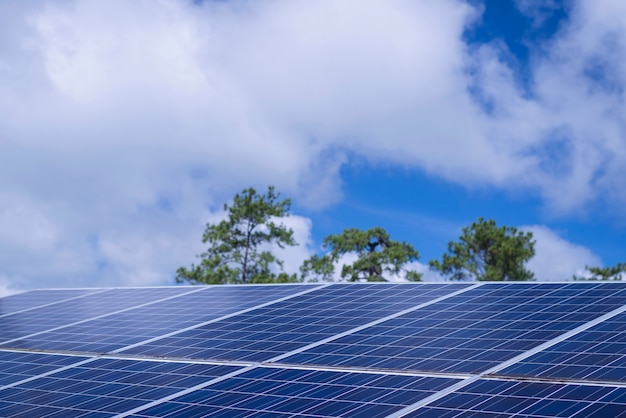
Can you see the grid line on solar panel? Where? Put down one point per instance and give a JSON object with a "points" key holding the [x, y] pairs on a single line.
{"points": [[17, 367], [23, 302], [77, 311], [264, 391], [81, 360], [265, 333], [597, 353], [599, 409], [105, 386], [116, 332], [367, 325], [260, 303], [502, 398], [435, 396], [184, 392], [473, 331]]}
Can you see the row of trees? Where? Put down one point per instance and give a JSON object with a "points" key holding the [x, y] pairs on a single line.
{"points": [[239, 250]]}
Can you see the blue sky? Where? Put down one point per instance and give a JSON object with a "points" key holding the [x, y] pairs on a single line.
{"points": [[124, 127]]}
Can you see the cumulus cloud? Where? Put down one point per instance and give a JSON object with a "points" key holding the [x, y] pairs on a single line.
{"points": [[293, 257], [538, 10], [124, 124], [7, 287], [557, 259], [568, 126], [428, 275]]}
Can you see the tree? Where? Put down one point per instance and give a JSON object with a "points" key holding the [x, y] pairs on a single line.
{"points": [[235, 251], [318, 268], [487, 252], [617, 272], [377, 254]]}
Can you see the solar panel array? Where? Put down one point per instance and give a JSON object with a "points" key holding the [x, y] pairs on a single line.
{"points": [[317, 350]]}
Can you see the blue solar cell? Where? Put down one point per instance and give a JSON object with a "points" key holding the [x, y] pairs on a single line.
{"points": [[29, 300], [598, 353], [105, 386], [472, 331], [302, 392], [119, 330], [468, 332], [526, 399], [15, 366], [71, 311], [292, 324]]}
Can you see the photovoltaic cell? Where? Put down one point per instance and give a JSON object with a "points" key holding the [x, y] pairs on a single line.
{"points": [[596, 354], [277, 329], [15, 366], [116, 331], [467, 332], [273, 392], [35, 298], [470, 332], [91, 306], [498, 398], [104, 387]]}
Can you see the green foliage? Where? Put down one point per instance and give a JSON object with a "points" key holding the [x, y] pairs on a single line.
{"points": [[617, 272], [317, 268], [377, 254], [234, 252], [487, 252]]}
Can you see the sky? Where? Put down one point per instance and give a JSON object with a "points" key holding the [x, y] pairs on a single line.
{"points": [[126, 125]]}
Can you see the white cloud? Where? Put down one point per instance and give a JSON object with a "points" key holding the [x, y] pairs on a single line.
{"points": [[211, 88], [569, 127], [293, 257], [122, 122], [6, 287], [539, 10], [428, 275], [557, 259], [35, 251]]}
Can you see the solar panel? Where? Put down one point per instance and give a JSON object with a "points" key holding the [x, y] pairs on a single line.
{"points": [[37, 298], [499, 398], [264, 333], [470, 332], [272, 392], [102, 387], [116, 330], [598, 353], [18, 366], [310, 350], [80, 309]]}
